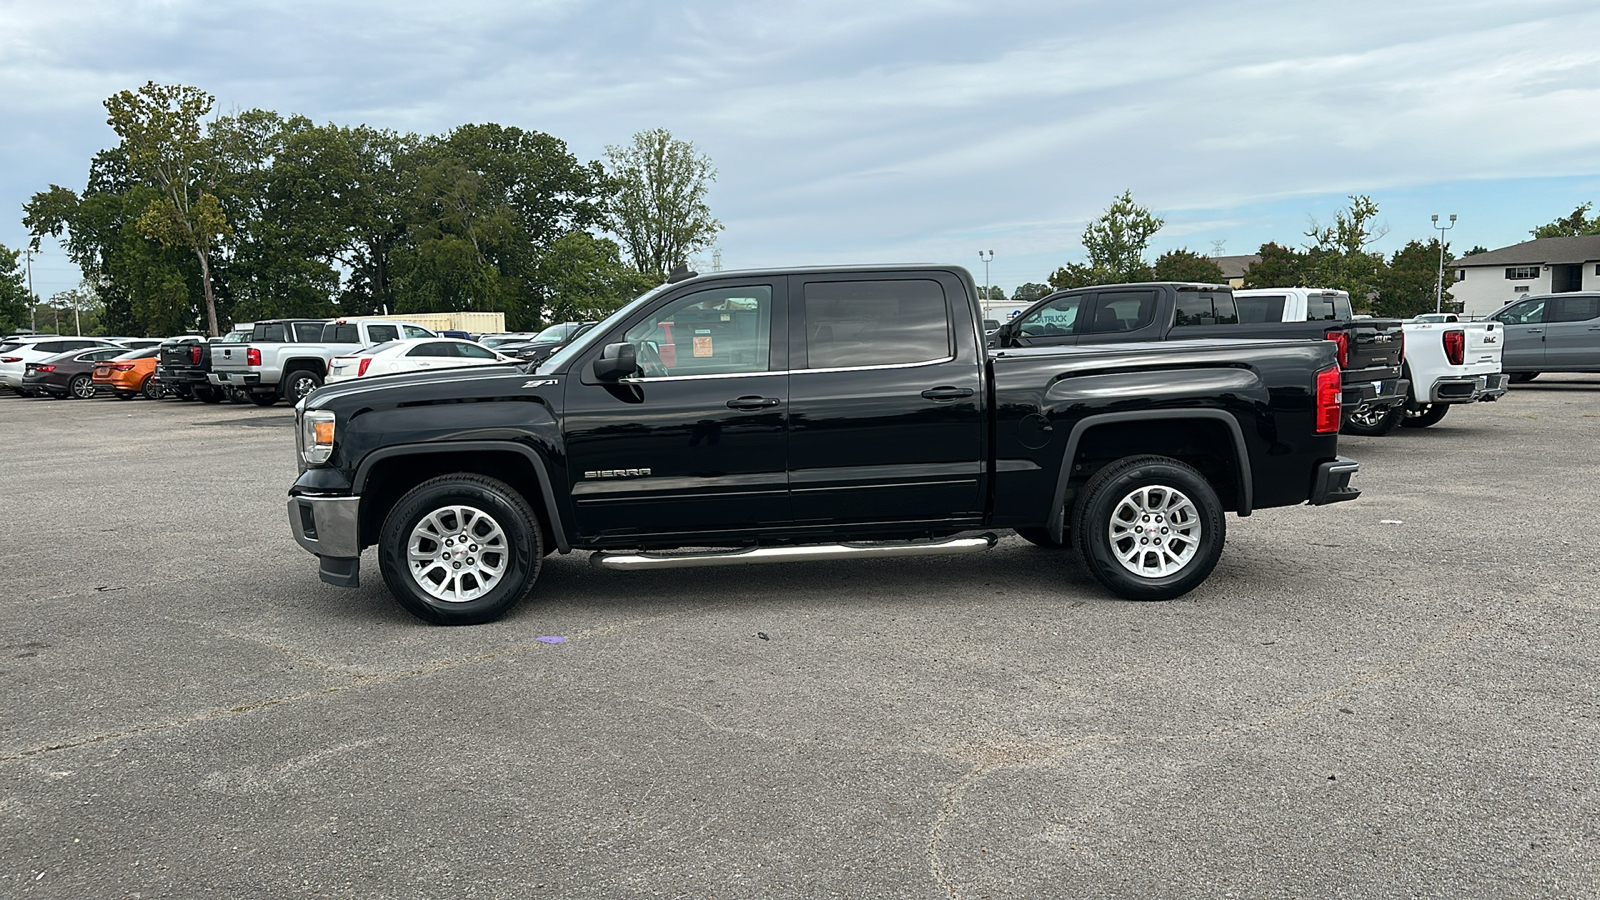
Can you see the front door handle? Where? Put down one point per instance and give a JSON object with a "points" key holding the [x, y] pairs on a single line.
{"points": [[946, 393], [752, 403]]}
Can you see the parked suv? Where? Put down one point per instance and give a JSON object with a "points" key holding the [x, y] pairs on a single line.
{"points": [[1551, 333]]}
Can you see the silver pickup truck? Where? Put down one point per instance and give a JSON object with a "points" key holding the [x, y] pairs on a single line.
{"points": [[287, 359]]}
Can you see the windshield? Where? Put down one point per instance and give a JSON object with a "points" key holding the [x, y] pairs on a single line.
{"points": [[555, 332], [565, 354]]}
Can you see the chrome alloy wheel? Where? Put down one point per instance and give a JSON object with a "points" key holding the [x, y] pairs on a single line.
{"points": [[1368, 416], [457, 553], [82, 387], [1155, 531]]}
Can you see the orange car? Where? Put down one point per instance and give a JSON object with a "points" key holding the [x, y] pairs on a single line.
{"points": [[130, 374]]}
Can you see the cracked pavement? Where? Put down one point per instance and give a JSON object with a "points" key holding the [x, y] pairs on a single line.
{"points": [[1348, 708]]}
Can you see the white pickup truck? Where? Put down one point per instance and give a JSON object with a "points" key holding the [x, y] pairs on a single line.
{"points": [[288, 358], [1445, 361]]}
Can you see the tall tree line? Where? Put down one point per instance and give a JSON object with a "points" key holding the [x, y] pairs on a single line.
{"points": [[192, 221]]}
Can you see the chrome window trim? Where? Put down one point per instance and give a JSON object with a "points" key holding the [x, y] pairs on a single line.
{"points": [[912, 365]]}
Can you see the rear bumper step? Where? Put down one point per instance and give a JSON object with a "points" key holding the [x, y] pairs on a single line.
{"points": [[803, 553]]}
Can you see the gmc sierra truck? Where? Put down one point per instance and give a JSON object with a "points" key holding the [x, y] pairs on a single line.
{"points": [[809, 414], [1370, 350]]}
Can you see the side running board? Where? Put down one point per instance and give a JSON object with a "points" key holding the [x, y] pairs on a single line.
{"points": [[630, 562]]}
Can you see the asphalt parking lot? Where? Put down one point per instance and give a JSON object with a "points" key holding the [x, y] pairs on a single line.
{"points": [[1393, 697]]}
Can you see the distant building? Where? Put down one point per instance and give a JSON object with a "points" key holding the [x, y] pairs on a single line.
{"points": [[1234, 267], [1487, 281]]}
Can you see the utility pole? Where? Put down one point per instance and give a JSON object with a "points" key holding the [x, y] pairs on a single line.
{"points": [[986, 260], [1438, 289], [33, 302]]}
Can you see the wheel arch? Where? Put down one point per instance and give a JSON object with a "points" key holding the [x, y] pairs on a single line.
{"points": [[386, 474], [1218, 449]]}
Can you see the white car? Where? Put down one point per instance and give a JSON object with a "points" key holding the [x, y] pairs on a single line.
{"points": [[412, 355], [16, 353]]}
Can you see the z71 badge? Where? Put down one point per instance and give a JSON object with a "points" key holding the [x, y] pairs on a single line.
{"points": [[539, 382], [617, 473]]}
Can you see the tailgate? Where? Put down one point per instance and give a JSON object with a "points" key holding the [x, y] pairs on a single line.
{"points": [[181, 356], [1375, 344], [230, 357], [1485, 343]]}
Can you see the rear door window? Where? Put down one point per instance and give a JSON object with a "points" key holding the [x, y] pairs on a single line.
{"points": [[378, 333], [1196, 308], [875, 323], [1574, 309], [270, 332], [1321, 307], [1121, 311], [434, 349], [308, 331], [1261, 309], [412, 331], [341, 333], [473, 351]]}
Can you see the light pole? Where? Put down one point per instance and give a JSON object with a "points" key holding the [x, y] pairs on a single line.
{"points": [[1438, 289], [986, 260], [33, 302]]}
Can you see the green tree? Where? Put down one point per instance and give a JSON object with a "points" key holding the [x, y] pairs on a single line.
{"points": [[1116, 241], [14, 298], [1478, 248], [1076, 275], [1027, 293], [160, 127], [1574, 225], [657, 205], [1408, 283], [1186, 265], [1279, 266], [586, 278], [1341, 256]]}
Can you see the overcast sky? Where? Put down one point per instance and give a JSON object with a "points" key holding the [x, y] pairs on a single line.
{"points": [[893, 131]]}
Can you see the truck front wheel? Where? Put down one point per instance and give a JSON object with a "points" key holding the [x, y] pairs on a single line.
{"points": [[1149, 527], [460, 549]]}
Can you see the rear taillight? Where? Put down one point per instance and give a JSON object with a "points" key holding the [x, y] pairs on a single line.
{"points": [[1455, 347], [362, 370], [1341, 340], [1402, 347], [252, 357], [122, 367], [10, 359], [1328, 410], [194, 355], [43, 368]]}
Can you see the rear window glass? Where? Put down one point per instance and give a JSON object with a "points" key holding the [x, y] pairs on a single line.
{"points": [[9, 346], [1320, 307], [1260, 309], [875, 323], [380, 333], [1205, 308], [309, 331]]}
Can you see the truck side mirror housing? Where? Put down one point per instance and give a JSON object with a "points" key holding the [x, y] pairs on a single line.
{"points": [[616, 362]]}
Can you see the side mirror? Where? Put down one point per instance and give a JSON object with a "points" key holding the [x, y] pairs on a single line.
{"points": [[616, 362]]}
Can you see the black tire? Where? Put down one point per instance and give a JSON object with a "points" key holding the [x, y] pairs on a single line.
{"points": [[264, 399], [208, 394], [1427, 415], [1186, 503], [151, 389], [126, 395], [1522, 377], [235, 395], [1368, 421], [441, 505], [1040, 537], [81, 387], [299, 383]]}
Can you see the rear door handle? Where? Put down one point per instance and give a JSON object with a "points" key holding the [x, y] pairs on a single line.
{"points": [[946, 393], [752, 403]]}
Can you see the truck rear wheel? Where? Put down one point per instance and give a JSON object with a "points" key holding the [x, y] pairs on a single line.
{"points": [[1370, 421], [208, 394], [1427, 415], [300, 383], [1149, 527], [264, 399], [460, 549]]}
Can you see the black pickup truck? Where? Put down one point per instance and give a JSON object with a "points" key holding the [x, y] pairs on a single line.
{"points": [[1370, 351], [185, 364], [803, 414]]}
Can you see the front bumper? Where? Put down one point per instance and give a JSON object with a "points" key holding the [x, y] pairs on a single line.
{"points": [[1470, 388], [330, 528], [1332, 483], [1381, 394]]}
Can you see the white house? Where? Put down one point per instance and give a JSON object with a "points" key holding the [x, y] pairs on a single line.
{"points": [[1487, 281]]}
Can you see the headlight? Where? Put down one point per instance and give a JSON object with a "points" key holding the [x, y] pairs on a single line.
{"points": [[316, 436]]}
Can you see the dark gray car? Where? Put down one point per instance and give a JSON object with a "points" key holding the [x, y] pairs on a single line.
{"points": [[1551, 333]]}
